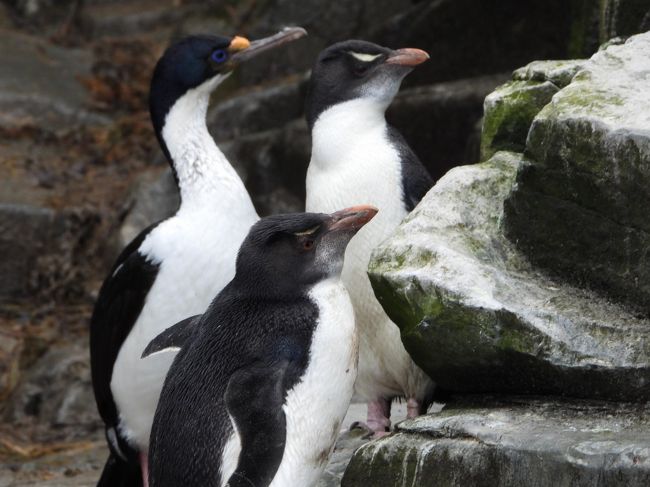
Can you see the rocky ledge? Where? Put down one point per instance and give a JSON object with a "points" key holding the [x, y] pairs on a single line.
{"points": [[515, 441]]}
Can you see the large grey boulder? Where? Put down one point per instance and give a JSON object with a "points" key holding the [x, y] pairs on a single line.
{"points": [[489, 442], [581, 204], [477, 316]]}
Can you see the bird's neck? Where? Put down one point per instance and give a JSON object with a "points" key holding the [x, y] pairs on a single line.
{"points": [[202, 171], [342, 127]]}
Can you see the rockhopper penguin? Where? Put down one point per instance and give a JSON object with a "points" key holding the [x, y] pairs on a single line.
{"points": [[259, 389], [174, 268], [357, 157]]}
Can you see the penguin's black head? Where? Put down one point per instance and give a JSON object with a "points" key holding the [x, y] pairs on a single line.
{"points": [[287, 254], [358, 69], [201, 62]]}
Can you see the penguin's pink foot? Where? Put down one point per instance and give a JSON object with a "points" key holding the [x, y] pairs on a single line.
{"points": [[413, 408], [144, 467], [379, 416]]}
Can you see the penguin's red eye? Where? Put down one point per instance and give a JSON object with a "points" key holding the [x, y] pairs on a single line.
{"points": [[308, 244]]}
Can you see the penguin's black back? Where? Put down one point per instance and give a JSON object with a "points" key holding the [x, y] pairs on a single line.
{"points": [[238, 349], [416, 180]]}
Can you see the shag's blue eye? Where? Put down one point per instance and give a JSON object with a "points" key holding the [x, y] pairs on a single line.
{"points": [[219, 56]]}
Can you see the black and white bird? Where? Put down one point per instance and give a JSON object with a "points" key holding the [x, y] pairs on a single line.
{"points": [[357, 157], [257, 394], [175, 267]]}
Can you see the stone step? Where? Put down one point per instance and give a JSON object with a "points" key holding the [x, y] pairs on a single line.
{"points": [[512, 441]]}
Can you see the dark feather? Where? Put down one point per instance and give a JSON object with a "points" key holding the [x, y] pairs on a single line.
{"points": [[241, 346], [416, 180], [173, 337], [121, 299]]}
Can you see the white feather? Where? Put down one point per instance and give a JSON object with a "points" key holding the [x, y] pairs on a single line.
{"points": [[353, 163], [196, 250], [315, 407], [366, 58], [230, 455]]}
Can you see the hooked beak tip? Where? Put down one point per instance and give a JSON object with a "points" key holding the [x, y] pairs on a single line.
{"points": [[352, 218], [407, 57]]}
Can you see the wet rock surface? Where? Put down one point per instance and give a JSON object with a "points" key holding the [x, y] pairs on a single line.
{"points": [[490, 442]]}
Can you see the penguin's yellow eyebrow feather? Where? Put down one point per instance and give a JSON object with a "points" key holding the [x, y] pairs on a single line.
{"points": [[361, 56], [307, 232]]}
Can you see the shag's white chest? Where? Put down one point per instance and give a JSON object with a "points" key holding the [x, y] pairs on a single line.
{"points": [[196, 251], [317, 404], [196, 255]]}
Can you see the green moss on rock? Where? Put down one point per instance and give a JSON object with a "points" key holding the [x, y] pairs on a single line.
{"points": [[476, 316], [508, 113], [581, 207]]}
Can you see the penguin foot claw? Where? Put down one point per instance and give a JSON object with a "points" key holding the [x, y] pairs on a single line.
{"points": [[369, 432]]}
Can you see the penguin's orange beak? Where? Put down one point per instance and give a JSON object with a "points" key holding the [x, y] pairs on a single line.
{"points": [[351, 219], [407, 57]]}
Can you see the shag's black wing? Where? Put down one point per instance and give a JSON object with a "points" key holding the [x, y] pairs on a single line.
{"points": [[416, 180], [173, 338], [121, 299]]}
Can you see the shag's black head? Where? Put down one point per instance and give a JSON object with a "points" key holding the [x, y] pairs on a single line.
{"points": [[188, 64], [200, 61], [355, 69], [285, 254]]}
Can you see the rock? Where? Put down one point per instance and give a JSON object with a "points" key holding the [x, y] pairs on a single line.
{"points": [[478, 317], [494, 442], [560, 73], [509, 111], [11, 347], [326, 23], [623, 18], [133, 18], [153, 198], [56, 391], [346, 445], [259, 110], [273, 166], [41, 249], [40, 88], [64, 464], [439, 120], [437, 25], [581, 205]]}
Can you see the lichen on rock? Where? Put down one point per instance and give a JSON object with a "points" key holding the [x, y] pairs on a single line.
{"points": [[581, 207], [508, 112], [476, 315], [511, 441]]}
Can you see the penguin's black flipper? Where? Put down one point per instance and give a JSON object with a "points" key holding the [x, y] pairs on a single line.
{"points": [[173, 338], [120, 473], [416, 180], [254, 398]]}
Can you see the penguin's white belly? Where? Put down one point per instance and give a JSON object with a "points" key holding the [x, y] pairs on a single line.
{"points": [[315, 407], [199, 260], [367, 172]]}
